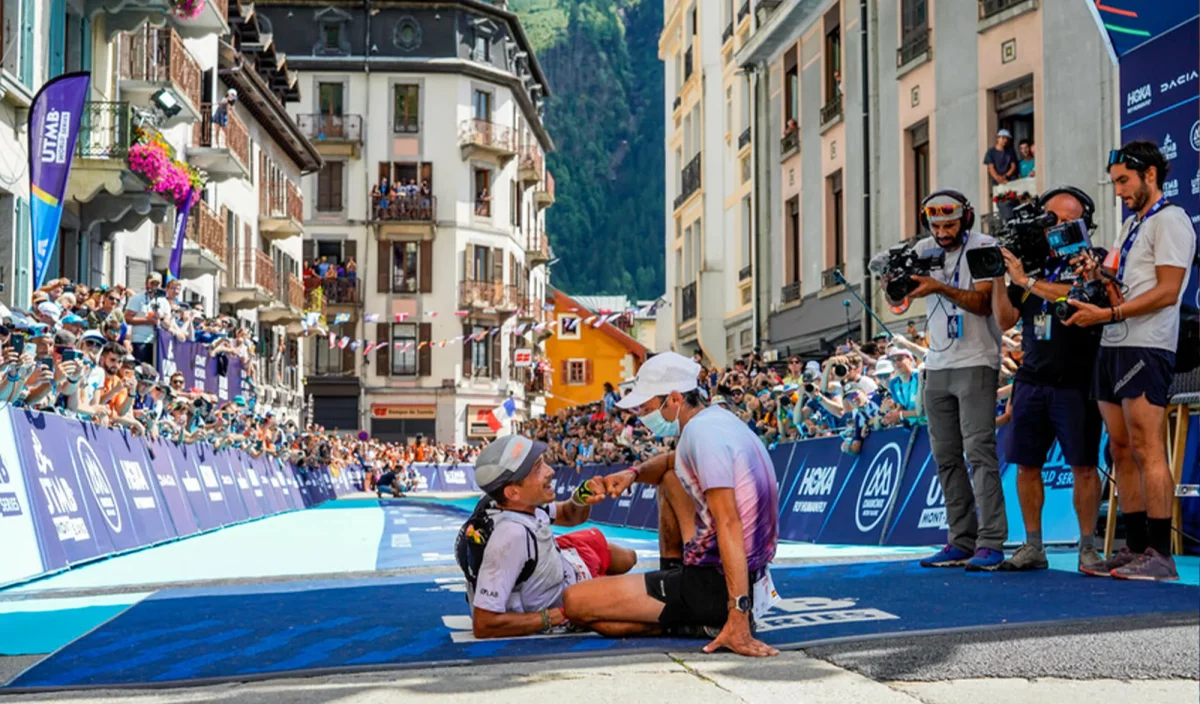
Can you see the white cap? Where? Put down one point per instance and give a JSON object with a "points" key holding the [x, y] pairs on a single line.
{"points": [[900, 352], [1004, 133], [660, 375], [51, 309], [884, 366]]}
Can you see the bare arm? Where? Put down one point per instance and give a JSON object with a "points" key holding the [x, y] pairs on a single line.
{"points": [[1164, 294], [1002, 308], [489, 624], [736, 634]]}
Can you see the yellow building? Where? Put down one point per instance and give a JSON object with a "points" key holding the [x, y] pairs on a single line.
{"points": [[585, 356]]}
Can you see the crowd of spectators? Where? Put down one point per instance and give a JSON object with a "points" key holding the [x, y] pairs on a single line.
{"points": [[402, 201]]}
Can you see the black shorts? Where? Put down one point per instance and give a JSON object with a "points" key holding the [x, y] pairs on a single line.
{"points": [[693, 596], [1129, 372], [1042, 413]]}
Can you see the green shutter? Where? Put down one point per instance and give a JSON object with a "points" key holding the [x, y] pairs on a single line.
{"points": [[85, 44], [56, 61], [27, 43], [24, 264]]}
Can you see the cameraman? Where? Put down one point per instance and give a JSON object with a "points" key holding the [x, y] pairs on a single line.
{"points": [[1137, 356], [961, 377], [1051, 395]]}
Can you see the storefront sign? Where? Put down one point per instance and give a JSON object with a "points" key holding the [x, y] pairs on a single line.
{"points": [[403, 411]]}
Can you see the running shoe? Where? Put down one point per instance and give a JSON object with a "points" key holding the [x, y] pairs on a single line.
{"points": [[1115, 561], [985, 560], [1151, 566], [1025, 559], [949, 556], [1090, 560]]}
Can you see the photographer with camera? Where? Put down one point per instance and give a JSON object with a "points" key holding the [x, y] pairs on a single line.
{"points": [[961, 377], [1051, 391], [1150, 265], [144, 313]]}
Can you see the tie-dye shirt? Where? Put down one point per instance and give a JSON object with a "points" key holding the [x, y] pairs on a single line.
{"points": [[717, 450]]}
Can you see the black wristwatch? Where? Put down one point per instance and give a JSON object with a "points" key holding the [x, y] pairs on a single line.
{"points": [[742, 604]]}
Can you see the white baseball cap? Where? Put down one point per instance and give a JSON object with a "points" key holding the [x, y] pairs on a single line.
{"points": [[884, 366], [660, 375]]}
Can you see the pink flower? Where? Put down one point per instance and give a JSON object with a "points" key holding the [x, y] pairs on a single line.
{"points": [[188, 9]]}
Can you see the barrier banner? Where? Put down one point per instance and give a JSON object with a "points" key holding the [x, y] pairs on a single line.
{"points": [[200, 486], [250, 499], [303, 489], [1190, 506], [287, 481], [864, 500], [818, 474], [1059, 523], [171, 488], [223, 376], [256, 469], [644, 513], [781, 459], [220, 375], [221, 465], [148, 514], [430, 474], [562, 482], [22, 557], [454, 478], [920, 514]]}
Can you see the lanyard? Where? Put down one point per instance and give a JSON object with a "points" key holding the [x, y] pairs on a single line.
{"points": [[1132, 236], [954, 282], [1050, 279]]}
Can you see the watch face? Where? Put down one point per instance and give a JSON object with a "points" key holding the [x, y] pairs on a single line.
{"points": [[743, 603]]}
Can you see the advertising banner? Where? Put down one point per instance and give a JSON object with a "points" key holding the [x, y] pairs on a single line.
{"points": [[920, 515], [171, 488], [181, 220], [220, 375], [201, 487], [864, 501], [22, 558], [454, 478], [148, 513], [254, 507], [54, 120], [816, 479], [644, 513], [1190, 506]]}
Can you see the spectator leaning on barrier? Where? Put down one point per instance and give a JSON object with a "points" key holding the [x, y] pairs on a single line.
{"points": [[961, 378], [1150, 262]]}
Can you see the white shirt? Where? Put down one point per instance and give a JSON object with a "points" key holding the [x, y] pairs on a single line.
{"points": [[1165, 239], [979, 342], [505, 554], [140, 305]]}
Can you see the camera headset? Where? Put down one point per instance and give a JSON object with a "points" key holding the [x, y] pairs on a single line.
{"points": [[1089, 208], [967, 220]]}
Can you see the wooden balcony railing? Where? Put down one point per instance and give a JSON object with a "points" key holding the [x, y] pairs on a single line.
{"points": [[404, 208], [488, 294], [347, 128], [295, 202], [340, 291], [531, 158], [548, 184], [233, 136], [295, 292], [485, 134], [536, 381], [251, 267], [206, 229], [159, 55]]}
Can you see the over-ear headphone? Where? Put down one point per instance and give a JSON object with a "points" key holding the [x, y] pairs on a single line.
{"points": [[968, 216], [1089, 208]]}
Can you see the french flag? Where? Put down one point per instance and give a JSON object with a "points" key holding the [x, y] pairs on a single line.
{"points": [[496, 417]]}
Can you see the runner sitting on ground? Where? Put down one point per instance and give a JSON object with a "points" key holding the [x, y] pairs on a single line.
{"points": [[512, 472]]}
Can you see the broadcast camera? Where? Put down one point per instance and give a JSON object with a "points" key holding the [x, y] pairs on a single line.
{"points": [[896, 265], [1023, 234]]}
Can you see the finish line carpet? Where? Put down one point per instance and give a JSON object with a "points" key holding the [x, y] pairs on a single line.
{"points": [[191, 636]]}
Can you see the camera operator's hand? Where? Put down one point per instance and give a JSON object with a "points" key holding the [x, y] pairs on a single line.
{"points": [[1088, 314], [1016, 270], [1086, 264], [926, 285]]}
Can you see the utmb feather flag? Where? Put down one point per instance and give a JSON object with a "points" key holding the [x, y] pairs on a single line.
{"points": [[54, 120]]}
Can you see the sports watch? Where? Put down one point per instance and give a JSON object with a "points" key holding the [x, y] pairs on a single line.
{"points": [[742, 603]]}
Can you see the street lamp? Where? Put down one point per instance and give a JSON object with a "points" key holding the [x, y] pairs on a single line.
{"points": [[166, 101]]}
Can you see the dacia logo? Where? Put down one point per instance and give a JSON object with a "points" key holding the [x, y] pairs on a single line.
{"points": [[1181, 79], [102, 490], [878, 487]]}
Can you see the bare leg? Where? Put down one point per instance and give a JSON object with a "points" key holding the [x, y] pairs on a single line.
{"points": [[1031, 493], [1145, 420], [1086, 497], [621, 560], [622, 629], [612, 601], [676, 517], [1129, 483]]}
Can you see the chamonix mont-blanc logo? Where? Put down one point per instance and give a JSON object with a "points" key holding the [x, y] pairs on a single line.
{"points": [[106, 498], [878, 487]]}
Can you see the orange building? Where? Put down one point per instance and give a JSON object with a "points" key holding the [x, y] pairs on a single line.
{"points": [[583, 357]]}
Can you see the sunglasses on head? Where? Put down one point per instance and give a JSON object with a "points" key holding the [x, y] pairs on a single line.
{"points": [[1117, 156], [941, 211]]}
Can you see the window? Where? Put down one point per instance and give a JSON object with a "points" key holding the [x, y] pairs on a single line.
{"points": [[833, 53], [729, 110], [483, 105], [327, 360], [483, 47], [329, 187], [913, 19], [836, 253], [331, 36], [793, 243], [329, 98], [405, 256], [919, 137], [481, 364], [746, 225], [577, 372], [404, 349], [408, 108], [791, 87], [483, 194], [568, 327]]}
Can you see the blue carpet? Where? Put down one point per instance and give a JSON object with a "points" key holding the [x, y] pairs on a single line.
{"points": [[36, 632], [191, 635]]}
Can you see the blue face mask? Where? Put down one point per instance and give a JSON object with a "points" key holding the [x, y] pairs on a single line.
{"points": [[661, 427]]}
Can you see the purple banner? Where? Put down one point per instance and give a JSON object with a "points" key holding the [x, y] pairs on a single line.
{"points": [[220, 375], [254, 506], [54, 120], [148, 511], [181, 220], [261, 483], [222, 463], [172, 489], [102, 496]]}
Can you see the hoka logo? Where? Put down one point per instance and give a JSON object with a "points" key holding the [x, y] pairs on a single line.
{"points": [[818, 480]]}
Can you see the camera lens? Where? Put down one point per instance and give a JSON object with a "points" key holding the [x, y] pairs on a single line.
{"points": [[840, 370]]}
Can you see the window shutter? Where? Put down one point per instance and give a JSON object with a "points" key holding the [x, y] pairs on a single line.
{"points": [[335, 186], [498, 265], [496, 355], [468, 260], [385, 263], [85, 44], [56, 61], [348, 360], [587, 372], [27, 42], [466, 345], [564, 372], [426, 267], [383, 334], [425, 354], [310, 250]]}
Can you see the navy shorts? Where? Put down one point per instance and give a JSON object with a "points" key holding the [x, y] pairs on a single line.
{"points": [[1129, 372], [1041, 414]]}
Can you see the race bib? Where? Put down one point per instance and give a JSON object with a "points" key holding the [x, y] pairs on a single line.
{"points": [[765, 596], [582, 573]]}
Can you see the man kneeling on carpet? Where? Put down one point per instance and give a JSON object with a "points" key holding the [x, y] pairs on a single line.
{"points": [[516, 568]]}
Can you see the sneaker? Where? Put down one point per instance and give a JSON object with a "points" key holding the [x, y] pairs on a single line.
{"points": [[1090, 560], [949, 556], [1152, 566], [1025, 559], [1105, 568], [985, 560]]}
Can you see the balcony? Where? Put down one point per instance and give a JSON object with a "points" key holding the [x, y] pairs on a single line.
{"points": [[333, 135], [537, 382], [913, 47], [156, 59], [791, 292], [221, 152], [483, 139], [288, 307], [991, 8], [744, 138], [404, 215], [340, 295], [250, 280], [831, 112], [687, 303], [281, 210], [688, 64], [203, 244], [744, 273], [537, 251], [690, 178], [530, 171], [832, 277], [101, 180], [128, 15], [727, 34], [789, 145], [743, 11], [488, 297], [543, 196]]}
